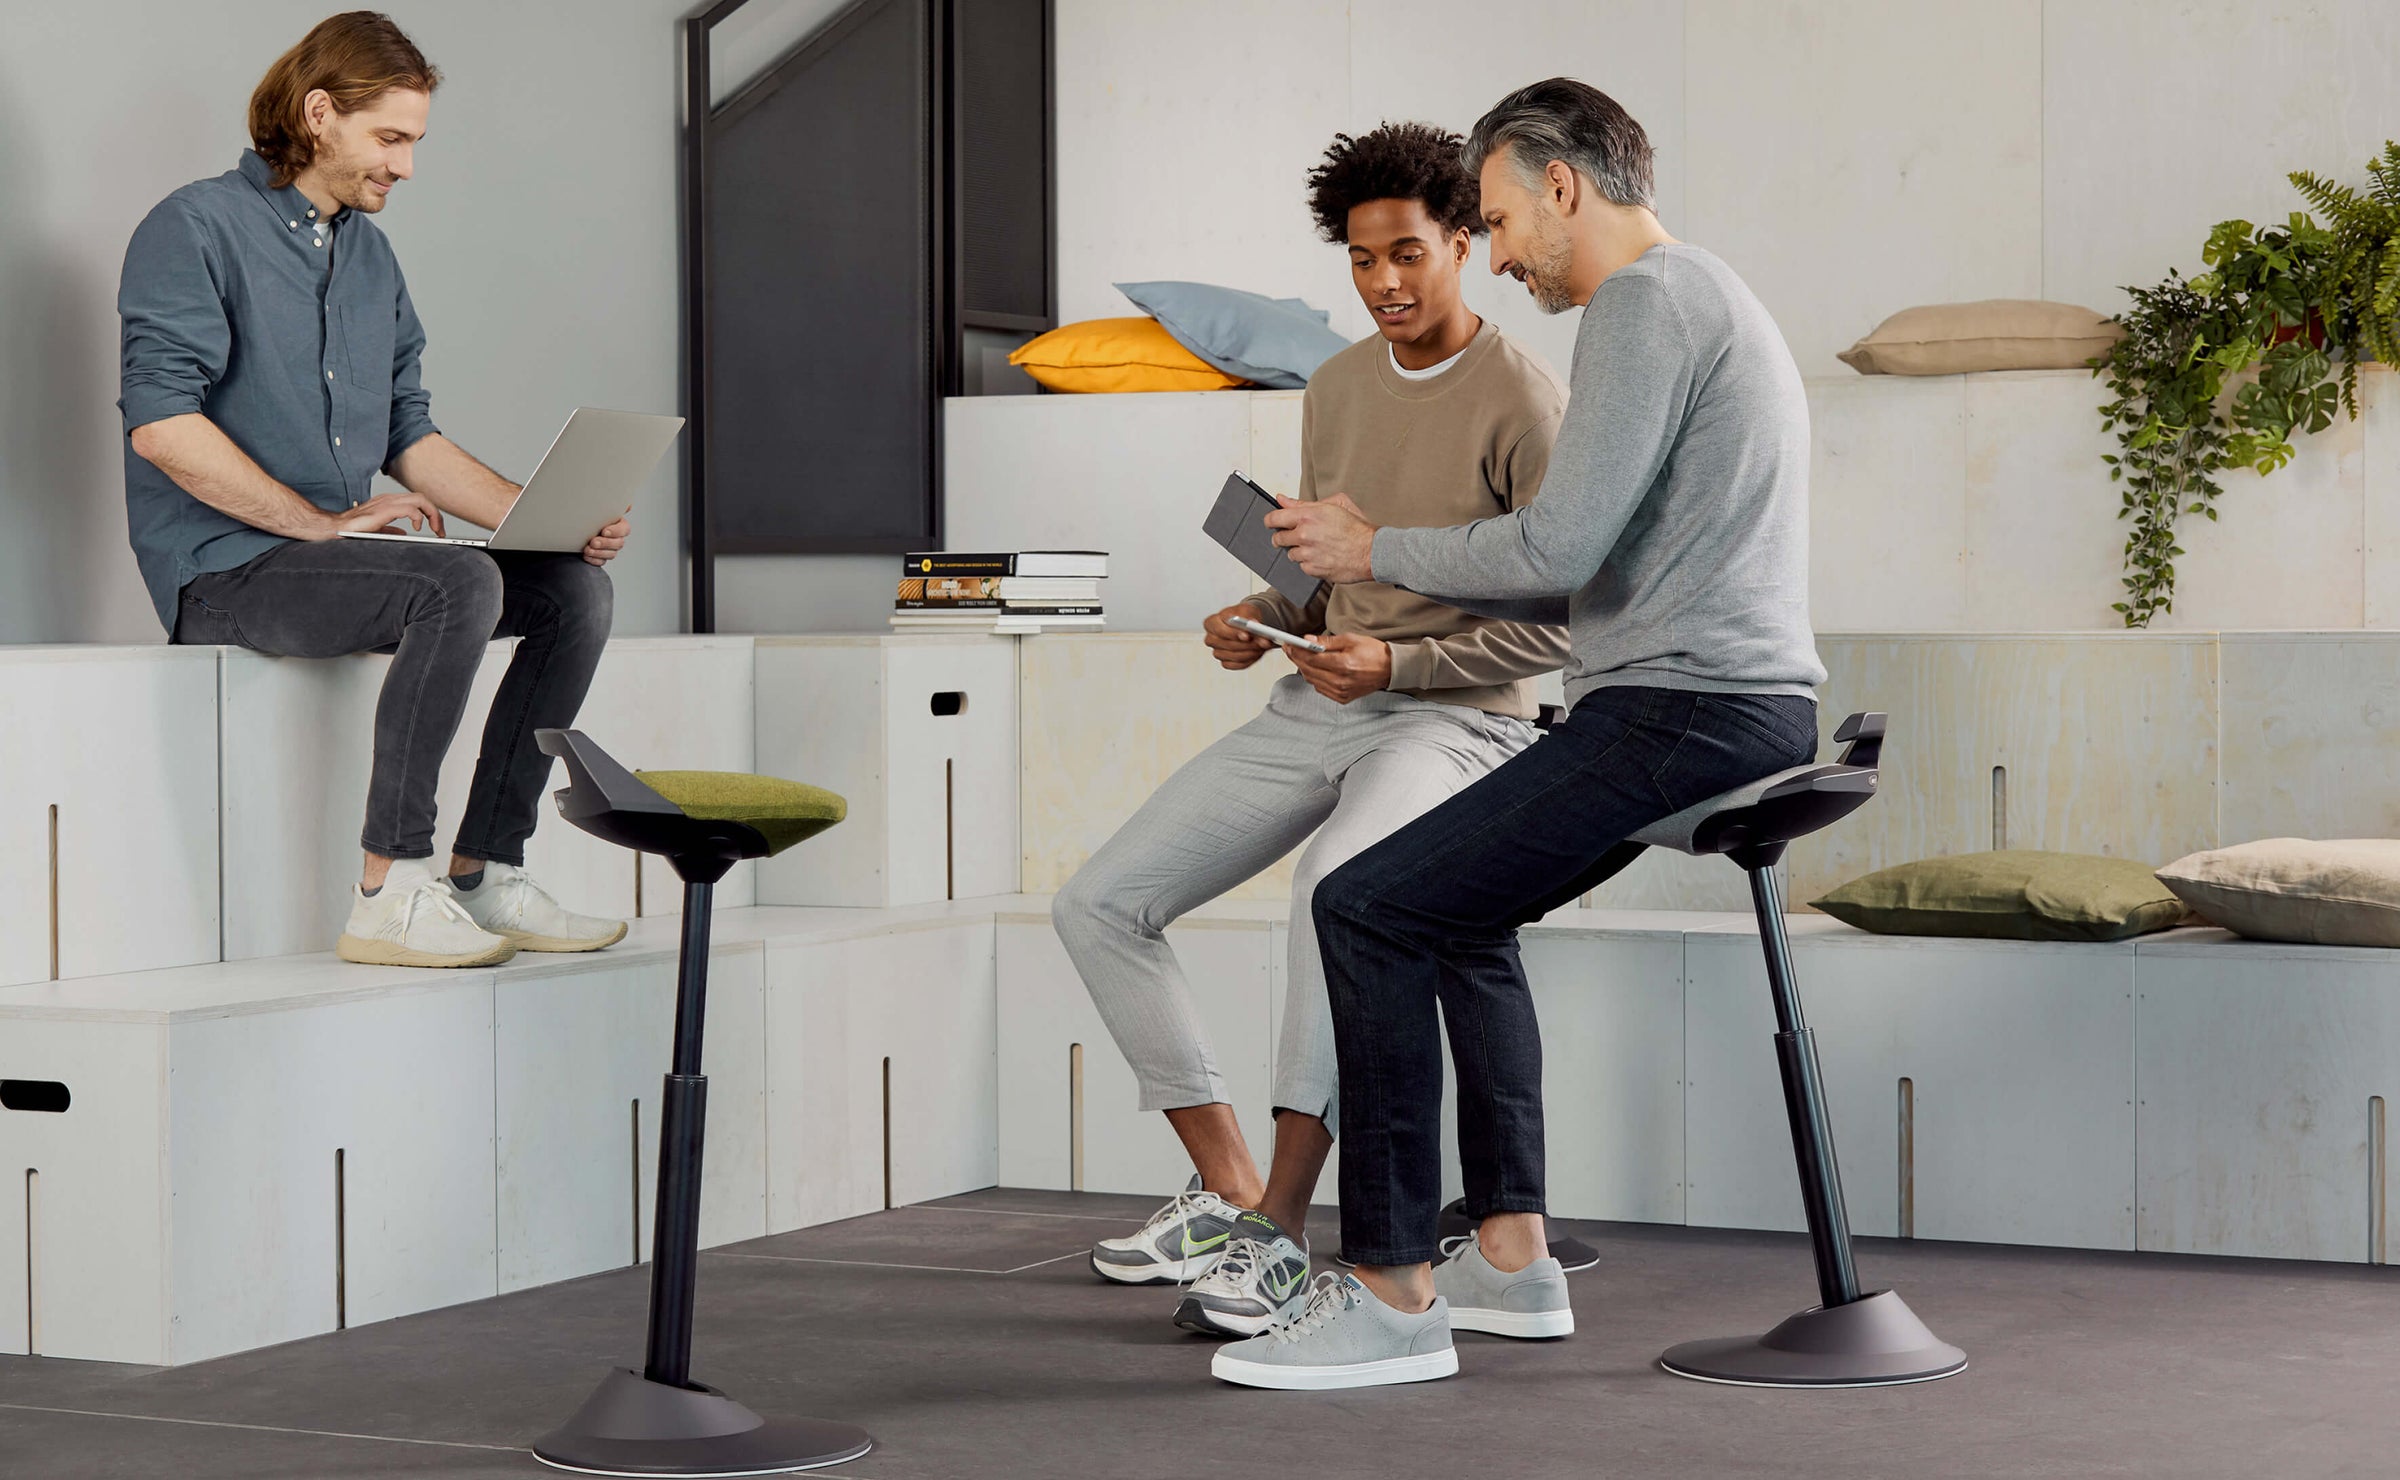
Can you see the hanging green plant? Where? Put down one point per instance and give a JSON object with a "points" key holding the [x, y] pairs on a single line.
{"points": [[2360, 281], [2301, 305]]}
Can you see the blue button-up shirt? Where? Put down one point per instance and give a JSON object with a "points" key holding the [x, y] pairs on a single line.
{"points": [[300, 344]]}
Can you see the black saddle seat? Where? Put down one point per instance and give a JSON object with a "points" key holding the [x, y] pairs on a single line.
{"points": [[1775, 809]]}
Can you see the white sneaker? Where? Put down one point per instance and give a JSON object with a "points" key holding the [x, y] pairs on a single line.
{"points": [[508, 903], [1178, 1244], [414, 920]]}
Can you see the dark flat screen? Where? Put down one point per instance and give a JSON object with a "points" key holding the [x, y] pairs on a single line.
{"points": [[821, 390]]}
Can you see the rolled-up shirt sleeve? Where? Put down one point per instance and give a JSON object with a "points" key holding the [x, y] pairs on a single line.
{"points": [[175, 338], [412, 404]]}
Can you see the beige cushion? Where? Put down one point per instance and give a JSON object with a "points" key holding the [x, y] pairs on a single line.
{"points": [[2018, 895], [2344, 893], [1995, 334]]}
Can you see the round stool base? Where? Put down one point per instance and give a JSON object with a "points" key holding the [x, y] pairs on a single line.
{"points": [[1874, 1341], [631, 1426]]}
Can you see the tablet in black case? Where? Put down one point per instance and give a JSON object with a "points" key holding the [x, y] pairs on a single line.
{"points": [[1238, 522]]}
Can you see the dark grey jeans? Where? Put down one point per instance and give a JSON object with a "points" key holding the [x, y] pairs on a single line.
{"points": [[433, 607], [1430, 915]]}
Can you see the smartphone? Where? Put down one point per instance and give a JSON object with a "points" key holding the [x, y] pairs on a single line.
{"points": [[1276, 634]]}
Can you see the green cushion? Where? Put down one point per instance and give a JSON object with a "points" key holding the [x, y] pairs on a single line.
{"points": [[2010, 896], [784, 812]]}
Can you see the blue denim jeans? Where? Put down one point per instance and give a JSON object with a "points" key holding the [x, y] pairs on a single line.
{"points": [[1430, 915], [433, 607]]}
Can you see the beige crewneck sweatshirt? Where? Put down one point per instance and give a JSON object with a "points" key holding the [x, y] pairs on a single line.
{"points": [[1471, 443]]}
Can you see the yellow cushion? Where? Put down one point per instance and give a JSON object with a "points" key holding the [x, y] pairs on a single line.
{"points": [[1117, 355], [782, 812]]}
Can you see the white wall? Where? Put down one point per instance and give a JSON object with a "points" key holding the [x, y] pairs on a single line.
{"points": [[538, 237], [1849, 157]]}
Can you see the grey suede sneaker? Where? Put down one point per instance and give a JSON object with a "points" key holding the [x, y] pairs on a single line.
{"points": [[1531, 1303], [1345, 1338]]}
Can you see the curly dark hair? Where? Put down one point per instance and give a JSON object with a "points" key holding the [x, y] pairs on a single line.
{"points": [[1397, 161]]}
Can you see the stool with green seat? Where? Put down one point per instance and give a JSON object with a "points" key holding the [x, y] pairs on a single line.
{"points": [[658, 1421]]}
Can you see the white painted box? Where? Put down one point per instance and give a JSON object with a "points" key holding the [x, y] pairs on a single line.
{"points": [[251, 1152], [881, 1079], [2017, 1116], [580, 1046], [2260, 1067], [919, 735], [1047, 1024], [112, 756]]}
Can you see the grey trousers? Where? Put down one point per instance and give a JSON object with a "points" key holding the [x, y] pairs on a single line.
{"points": [[1351, 773]]}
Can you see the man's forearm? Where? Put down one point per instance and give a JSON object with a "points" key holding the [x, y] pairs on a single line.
{"points": [[457, 484], [206, 464]]}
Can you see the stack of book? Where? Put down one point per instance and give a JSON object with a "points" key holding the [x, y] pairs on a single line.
{"points": [[1022, 593]]}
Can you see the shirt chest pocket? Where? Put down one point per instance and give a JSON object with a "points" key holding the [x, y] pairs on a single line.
{"points": [[366, 355]]}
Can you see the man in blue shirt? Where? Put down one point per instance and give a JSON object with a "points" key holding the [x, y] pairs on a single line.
{"points": [[270, 370]]}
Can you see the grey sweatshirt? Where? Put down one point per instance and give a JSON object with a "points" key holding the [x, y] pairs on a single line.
{"points": [[1671, 531]]}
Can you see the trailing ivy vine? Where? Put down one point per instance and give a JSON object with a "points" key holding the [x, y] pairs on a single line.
{"points": [[2300, 305]]}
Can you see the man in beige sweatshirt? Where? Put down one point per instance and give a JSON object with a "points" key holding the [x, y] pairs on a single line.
{"points": [[1435, 421]]}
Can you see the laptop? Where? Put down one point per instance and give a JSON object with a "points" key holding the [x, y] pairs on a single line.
{"points": [[584, 482]]}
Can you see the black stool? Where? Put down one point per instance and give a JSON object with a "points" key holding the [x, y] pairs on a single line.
{"points": [[1850, 1339], [658, 1421]]}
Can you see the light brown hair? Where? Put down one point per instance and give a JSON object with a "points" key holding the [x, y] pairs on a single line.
{"points": [[356, 57]]}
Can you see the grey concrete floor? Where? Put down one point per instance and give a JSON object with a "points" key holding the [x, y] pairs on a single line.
{"points": [[969, 1337]]}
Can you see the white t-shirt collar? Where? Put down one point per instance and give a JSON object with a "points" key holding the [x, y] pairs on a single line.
{"points": [[1430, 371]]}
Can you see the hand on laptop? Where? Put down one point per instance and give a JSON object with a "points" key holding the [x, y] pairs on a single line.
{"points": [[1351, 666], [601, 548], [410, 513], [1329, 539]]}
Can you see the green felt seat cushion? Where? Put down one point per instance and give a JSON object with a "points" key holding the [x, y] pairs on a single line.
{"points": [[2016, 895], [783, 812]]}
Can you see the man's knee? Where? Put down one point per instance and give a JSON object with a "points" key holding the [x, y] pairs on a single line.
{"points": [[587, 598], [1083, 903], [1342, 897], [467, 590]]}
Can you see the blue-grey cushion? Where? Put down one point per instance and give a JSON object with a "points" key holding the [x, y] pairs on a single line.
{"points": [[1274, 342]]}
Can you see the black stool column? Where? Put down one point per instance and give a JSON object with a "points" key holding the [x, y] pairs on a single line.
{"points": [[1803, 1088], [682, 1130], [1850, 1339]]}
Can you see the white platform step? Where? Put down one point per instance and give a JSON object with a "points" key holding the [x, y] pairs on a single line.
{"points": [[495, 1129], [255, 1151]]}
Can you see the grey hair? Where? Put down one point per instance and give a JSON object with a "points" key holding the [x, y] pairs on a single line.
{"points": [[1572, 122]]}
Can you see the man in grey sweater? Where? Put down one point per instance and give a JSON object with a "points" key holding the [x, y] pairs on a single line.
{"points": [[1671, 536]]}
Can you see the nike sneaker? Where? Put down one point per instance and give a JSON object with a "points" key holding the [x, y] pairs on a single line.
{"points": [[1178, 1244], [1260, 1281]]}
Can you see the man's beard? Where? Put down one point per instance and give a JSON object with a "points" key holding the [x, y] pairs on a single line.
{"points": [[348, 181], [1547, 266]]}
